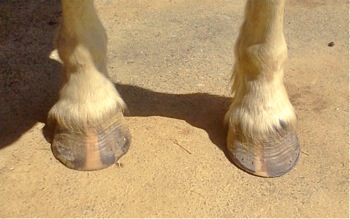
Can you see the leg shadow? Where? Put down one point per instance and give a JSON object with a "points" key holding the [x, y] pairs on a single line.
{"points": [[29, 80], [201, 110]]}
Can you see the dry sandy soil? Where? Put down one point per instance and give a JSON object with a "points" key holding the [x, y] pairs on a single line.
{"points": [[171, 61]]}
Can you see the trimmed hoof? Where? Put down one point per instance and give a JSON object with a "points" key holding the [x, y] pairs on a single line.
{"points": [[95, 149], [270, 156]]}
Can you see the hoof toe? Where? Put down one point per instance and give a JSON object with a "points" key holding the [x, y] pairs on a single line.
{"points": [[94, 149], [270, 156]]}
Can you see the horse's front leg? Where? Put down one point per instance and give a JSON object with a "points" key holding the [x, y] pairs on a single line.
{"points": [[87, 120], [262, 136]]}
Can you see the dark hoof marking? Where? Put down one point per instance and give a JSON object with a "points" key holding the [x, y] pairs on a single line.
{"points": [[93, 150], [270, 156]]}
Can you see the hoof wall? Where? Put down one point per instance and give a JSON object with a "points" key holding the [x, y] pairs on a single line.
{"points": [[271, 156], [93, 150]]}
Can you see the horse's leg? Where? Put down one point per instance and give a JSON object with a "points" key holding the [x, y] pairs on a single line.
{"points": [[262, 136], [87, 120]]}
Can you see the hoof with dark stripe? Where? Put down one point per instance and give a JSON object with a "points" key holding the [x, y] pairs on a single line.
{"points": [[270, 155], [95, 149]]}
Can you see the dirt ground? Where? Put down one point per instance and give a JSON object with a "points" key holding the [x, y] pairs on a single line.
{"points": [[171, 61]]}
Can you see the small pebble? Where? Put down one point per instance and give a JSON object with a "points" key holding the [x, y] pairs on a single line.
{"points": [[52, 23], [331, 44]]}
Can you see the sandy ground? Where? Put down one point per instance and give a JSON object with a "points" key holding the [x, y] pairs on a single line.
{"points": [[171, 61]]}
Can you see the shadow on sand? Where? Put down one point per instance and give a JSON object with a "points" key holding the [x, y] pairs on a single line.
{"points": [[200, 110]]}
